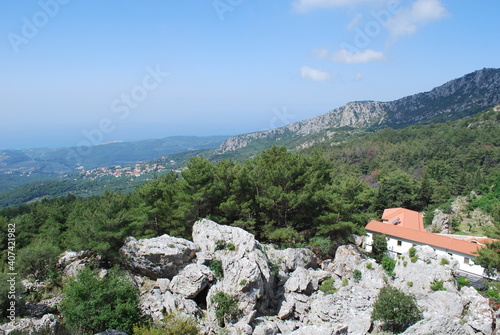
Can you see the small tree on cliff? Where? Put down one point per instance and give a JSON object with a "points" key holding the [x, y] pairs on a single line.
{"points": [[379, 248], [397, 309], [93, 304]]}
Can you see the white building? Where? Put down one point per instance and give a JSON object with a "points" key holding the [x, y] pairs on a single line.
{"points": [[404, 229]]}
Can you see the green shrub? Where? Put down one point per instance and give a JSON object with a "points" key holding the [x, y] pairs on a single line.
{"points": [[428, 217], [379, 248], [462, 281], [412, 252], [493, 294], [397, 310], [405, 263], [226, 307], [92, 304], [410, 284], [357, 275], [285, 237], [327, 286], [37, 260], [243, 282], [322, 243], [437, 285], [444, 261], [216, 267], [230, 246], [172, 324], [345, 282], [369, 266], [414, 259], [388, 264]]}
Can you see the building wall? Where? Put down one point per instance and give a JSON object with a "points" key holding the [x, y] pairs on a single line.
{"points": [[398, 246]]}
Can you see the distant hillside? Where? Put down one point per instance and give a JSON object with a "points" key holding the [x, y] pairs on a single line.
{"points": [[456, 99], [333, 132], [19, 167]]}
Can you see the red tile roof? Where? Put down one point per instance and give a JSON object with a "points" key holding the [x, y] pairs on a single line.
{"points": [[423, 237], [410, 227], [404, 217]]}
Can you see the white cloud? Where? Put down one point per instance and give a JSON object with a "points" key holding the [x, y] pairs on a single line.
{"points": [[359, 76], [309, 73], [319, 53], [407, 21], [369, 55], [307, 5]]}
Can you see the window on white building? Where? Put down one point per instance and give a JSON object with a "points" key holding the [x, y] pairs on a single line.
{"points": [[399, 243], [466, 260]]}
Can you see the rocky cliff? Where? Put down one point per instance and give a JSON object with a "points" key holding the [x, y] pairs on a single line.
{"points": [[283, 291], [455, 99], [278, 291]]}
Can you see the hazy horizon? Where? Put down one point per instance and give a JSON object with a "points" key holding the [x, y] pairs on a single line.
{"points": [[135, 71]]}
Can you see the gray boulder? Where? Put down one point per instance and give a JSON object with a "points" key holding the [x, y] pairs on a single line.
{"points": [[305, 281], [347, 259], [478, 314], [158, 257], [270, 325], [48, 324], [246, 273], [438, 324], [301, 282], [350, 306], [270, 328], [191, 280], [71, 262], [321, 330], [273, 325], [154, 303], [417, 279], [440, 223], [163, 284], [290, 259], [210, 236]]}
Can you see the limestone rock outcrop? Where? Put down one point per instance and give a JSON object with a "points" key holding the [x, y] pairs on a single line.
{"points": [[441, 223], [48, 324], [246, 274], [285, 291], [191, 280], [158, 257], [290, 284], [288, 260]]}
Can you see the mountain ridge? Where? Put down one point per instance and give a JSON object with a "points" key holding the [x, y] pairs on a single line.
{"points": [[455, 99]]}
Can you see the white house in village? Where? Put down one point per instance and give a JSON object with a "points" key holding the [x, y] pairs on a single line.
{"points": [[404, 229]]}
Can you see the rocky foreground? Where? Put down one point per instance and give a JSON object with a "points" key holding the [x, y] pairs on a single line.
{"points": [[277, 291]]}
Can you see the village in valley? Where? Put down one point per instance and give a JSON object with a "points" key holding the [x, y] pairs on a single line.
{"points": [[133, 171]]}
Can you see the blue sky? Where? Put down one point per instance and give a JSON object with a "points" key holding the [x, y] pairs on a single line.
{"points": [[80, 71]]}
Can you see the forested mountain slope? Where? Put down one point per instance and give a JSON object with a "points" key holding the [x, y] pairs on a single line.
{"points": [[455, 99], [20, 167], [334, 131], [65, 160], [285, 197]]}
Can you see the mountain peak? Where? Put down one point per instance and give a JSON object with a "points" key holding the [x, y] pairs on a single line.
{"points": [[453, 100]]}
